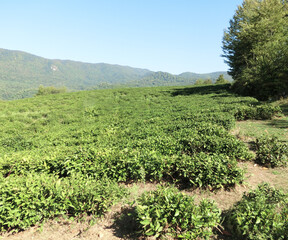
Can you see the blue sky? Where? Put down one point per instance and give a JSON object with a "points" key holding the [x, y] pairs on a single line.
{"points": [[161, 35]]}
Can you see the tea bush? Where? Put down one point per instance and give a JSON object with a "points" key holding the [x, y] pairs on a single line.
{"points": [[271, 152], [260, 112], [212, 139], [170, 213], [207, 170], [261, 214], [25, 201]]}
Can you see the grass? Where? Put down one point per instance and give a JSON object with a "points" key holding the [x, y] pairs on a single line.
{"points": [[255, 128], [278, 126]]}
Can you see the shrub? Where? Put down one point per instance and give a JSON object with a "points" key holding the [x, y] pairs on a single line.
{"points": [[210, 138], [261, 112], [271, 152], [207, 170], [168, 212], [261, 214], [16, 143], [50, 90], [27, 200]]}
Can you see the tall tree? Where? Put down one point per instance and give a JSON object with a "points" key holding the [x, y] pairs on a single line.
{"points": [[256, 48]]}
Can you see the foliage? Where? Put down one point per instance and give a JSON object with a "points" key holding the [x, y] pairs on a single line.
{"points": [[271, 152], [49, 90], [260, 112], [255, 47], [199, 82], [27, 200], [168, 212], [207, 170], [207, 81], [261, 214], [221, 80], [90, 141], [209, 138]]}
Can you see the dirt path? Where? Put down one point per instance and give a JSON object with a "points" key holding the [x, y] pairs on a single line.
{"points": [[111, 227]]}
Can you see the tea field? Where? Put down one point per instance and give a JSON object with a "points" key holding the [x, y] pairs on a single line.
{"points": [[75, 154]]}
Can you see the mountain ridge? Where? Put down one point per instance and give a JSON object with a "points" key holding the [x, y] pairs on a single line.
{"points": [[22, 73]]}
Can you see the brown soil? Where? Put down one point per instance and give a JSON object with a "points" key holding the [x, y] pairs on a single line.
{"points": [[113, 227]]}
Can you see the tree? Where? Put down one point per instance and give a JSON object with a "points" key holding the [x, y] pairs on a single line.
{"points": [[199, 82], [50, 90], [221, 80], [208, 82], [256, 48]]}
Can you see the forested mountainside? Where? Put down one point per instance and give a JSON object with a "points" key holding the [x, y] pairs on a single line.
{"points": [[22, 73]]}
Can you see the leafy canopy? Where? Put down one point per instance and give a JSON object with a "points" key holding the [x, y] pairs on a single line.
{"points": [[50, 90], [256, 48], [221, 80]]}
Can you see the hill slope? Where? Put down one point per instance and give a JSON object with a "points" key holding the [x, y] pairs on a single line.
{"points": [[22, 73], [77, 154]]}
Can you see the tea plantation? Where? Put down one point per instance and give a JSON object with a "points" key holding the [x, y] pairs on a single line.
{"points": [[69, 154]]}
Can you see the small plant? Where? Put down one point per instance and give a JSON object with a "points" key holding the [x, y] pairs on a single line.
{"points": [[271, 152], [261, 214], [168, 212]]}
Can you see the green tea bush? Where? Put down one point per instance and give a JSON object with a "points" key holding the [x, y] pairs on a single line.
{"points": [[27, 200], [261, 112], [197, 170], [271, 152], [166, 212], [227, 121], [120, 166], [261, 214], [210, 138], [207, 170], [16, 143]]}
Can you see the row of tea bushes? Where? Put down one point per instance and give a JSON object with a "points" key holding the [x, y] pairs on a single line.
{"points": [[27, 200]]}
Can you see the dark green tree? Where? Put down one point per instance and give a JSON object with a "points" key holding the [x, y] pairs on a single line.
{"points": [[256, 48]]}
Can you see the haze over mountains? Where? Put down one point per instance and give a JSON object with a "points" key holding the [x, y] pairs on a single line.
{"points": [[22, 73]]}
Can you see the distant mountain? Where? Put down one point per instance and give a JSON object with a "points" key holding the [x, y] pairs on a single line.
{"points": [[22, 73], [213, 76]]}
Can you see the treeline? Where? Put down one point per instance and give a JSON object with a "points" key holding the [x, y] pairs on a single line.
{"points": [[159, 76], [219, 80]]}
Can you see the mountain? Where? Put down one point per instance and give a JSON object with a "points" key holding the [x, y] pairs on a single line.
{"points": [[213, 76], [22, 73]]}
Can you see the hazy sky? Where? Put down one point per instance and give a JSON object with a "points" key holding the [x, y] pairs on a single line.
{"points": [[161, 35]]}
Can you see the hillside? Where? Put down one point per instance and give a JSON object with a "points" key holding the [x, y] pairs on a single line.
{"points": [[78, 154], [21, 74]]}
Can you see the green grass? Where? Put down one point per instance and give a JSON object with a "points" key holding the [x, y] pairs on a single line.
{"points": [[256, 128]]}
